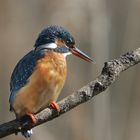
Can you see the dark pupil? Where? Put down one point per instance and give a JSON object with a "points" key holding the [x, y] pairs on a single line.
{"points": [[69, 43]]}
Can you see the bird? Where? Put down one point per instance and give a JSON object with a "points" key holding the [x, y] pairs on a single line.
{"points": [[38, 78]]}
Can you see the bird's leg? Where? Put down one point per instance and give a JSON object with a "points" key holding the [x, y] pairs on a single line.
{"points": [[55, 106], [32, 117]]}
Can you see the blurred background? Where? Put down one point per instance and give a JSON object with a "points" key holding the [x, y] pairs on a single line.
{"points": [[104, 29]]}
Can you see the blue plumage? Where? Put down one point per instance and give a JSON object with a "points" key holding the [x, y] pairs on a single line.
{"points": [[20, 76], [51, 33], [22, 72], [26, 66]]}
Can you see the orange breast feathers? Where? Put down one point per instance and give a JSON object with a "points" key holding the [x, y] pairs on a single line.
{"points": [[44, 85]]}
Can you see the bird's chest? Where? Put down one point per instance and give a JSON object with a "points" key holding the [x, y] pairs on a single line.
{"points": [[44, 85], [51, 75], [52, 69]]}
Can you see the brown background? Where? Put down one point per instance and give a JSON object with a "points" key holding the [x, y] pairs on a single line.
{"points": [[103, 29]]}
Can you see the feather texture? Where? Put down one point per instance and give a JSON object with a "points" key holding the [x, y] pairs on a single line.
{"points": [[37, 81], [22, 72]]}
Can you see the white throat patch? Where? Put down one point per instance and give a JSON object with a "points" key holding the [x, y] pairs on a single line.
{"points": [[52, 46], [49, 46], [66, 54]]}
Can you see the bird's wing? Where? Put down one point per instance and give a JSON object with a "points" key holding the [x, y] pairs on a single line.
{"points": [[22, 72]]}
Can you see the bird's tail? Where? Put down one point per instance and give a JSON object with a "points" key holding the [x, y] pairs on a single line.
{"points": [[27, 133]]}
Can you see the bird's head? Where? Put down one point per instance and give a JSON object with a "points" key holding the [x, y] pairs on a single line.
{"points": [[58, 39]]}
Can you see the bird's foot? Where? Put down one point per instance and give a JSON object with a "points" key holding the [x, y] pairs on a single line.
{"points": [[55, 106], [32, 117]]}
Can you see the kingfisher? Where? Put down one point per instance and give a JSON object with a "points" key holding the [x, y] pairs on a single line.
{"points": [[39, 76]]}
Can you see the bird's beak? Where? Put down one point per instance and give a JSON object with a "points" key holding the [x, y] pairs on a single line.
{"points": [[80, 54]]}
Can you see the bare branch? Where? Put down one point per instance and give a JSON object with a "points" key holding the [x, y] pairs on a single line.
{"points": [[109, 74]]}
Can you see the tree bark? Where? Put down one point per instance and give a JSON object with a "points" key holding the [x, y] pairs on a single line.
{"points": [[109, 74]]}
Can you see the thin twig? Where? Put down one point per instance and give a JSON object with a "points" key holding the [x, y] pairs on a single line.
{"points": [[109, 74]]}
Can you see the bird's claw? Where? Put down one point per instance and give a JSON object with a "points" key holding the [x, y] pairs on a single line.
{"points": [[55, 106], [32, 117]]}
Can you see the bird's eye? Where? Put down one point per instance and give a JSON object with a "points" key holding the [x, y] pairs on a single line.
{"points": [[67, 41]]}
